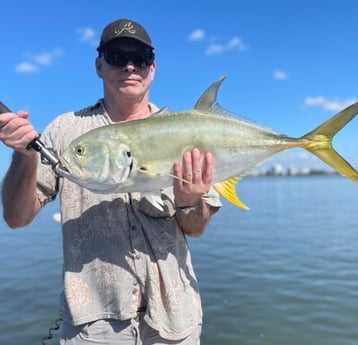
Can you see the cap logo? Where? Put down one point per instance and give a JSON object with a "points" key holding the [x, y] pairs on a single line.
{"points": [[126, 27]]}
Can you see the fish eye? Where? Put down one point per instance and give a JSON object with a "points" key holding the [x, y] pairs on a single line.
{"points": [[79, 150]]}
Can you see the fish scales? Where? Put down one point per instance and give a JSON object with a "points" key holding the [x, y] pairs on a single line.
{"points": [[137, 156]]}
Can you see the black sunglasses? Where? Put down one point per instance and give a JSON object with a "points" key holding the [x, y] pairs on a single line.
{"points": [[120, 58]]}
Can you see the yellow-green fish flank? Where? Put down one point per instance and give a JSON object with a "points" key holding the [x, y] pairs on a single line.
{"points": [[137, 156]]}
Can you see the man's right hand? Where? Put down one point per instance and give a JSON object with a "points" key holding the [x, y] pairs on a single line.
{"points": [[16, 131]]}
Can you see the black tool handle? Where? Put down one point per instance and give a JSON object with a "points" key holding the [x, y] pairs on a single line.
{"points": [[36, 143], [4, 108]]}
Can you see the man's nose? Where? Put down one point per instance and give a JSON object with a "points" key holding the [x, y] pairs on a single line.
{"points": [[130, 67]]}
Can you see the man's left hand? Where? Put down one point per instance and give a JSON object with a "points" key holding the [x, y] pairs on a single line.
{"points": [[194, 177]]}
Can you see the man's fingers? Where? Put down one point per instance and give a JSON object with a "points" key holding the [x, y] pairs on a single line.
{"points": [[208, 169]]}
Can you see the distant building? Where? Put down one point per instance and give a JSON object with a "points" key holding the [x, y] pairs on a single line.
{"points": [[279, 170], [291, 171], [276, 170]]}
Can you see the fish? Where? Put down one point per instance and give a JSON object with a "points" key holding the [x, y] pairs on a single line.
{"points": [[138, 156]]}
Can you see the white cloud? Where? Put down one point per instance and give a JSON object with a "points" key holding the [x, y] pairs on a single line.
{"points": [[26, 67], [280, 75], [47, 58], [236, 42], [88, 35], [327, 104], [220, 48], [37, 60], [197, 35], [214, 49], [215, 45]]}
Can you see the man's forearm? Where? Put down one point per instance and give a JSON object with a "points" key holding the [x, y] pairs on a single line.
{"points": [[195, 222], [19, 198]]}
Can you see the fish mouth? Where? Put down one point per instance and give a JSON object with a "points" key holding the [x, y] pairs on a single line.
{"points": [[61, 168], [62, 171]]}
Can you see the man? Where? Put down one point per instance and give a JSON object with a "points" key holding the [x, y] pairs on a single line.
{"points": [[128, 277]]}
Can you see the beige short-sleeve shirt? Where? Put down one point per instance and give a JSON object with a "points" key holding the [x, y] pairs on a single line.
{"points": [[119, 247]]}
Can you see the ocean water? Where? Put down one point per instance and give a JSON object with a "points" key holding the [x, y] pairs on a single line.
{"points": [[283, 273]]}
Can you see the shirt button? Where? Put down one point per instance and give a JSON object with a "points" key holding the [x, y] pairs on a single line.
{"points": [[134, 291], [134, 228]]}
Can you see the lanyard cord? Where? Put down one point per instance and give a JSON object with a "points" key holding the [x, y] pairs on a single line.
{"points": [[51, 331]]}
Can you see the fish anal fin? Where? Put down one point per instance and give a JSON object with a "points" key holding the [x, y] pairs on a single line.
{"points": [[155, 200], [227, 190]]}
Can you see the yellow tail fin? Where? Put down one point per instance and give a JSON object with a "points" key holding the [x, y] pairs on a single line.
{"points": [[319, 142]]}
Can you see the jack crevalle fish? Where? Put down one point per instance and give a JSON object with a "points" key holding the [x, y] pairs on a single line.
{"points": [[137, 156]]}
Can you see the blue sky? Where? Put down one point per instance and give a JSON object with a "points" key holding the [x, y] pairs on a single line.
{"points": [[290, 65]]}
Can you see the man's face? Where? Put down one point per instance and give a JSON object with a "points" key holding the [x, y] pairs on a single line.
{"points": [[129, 80]]}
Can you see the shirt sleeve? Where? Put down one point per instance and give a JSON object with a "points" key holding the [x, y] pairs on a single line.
{"points": [[149, 204], [47, 180]]}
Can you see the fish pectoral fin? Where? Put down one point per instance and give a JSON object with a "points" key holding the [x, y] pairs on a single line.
{"points": [[144, 170], [227, 190], [147, 171]]}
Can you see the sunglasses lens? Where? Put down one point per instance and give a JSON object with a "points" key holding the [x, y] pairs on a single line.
{"points": [[116, 59], [141, 58]]}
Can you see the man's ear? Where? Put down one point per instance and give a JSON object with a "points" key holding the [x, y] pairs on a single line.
{"points": [[153, 68], [98, 63]]}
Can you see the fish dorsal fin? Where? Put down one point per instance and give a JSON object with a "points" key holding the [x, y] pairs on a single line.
{"points": [[162, 111], [207, 100], [227, 190]]}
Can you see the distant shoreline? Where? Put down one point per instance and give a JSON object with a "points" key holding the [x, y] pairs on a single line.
{"points": [[290, 173]]}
